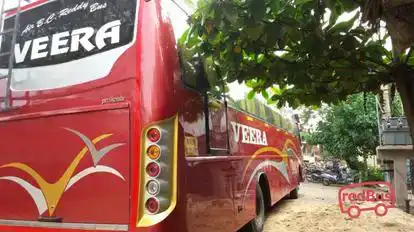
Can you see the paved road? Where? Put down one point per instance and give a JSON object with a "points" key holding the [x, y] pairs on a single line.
{"points": [[317, 210]]}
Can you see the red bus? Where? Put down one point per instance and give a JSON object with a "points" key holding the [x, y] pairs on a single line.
{"points": [[101, 130]]}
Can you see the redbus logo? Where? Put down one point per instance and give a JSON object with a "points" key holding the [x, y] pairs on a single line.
{"points": [[351, 196]]}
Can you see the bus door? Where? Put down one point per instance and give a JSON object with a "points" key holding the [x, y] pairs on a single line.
{"points": [[220, 131], [209, 174], [218, 127]]}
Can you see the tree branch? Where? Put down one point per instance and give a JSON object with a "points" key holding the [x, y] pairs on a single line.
{"points": [[398, 3]]}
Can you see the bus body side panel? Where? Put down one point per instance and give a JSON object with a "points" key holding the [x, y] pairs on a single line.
{"points": [[221, 188], [71, 165], [209, 177], [159, 95], [265, 149]]}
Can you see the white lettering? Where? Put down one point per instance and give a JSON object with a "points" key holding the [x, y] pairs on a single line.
{"points": [[40, 22], [245, 130], [66, 11], [96, 6], [50, 18], [57, 42], [28, 28], [63, 12], [252, 138], [249, 135], [103, 33], [84, 40], [264, 142], [39, 44], [259, 136], [21, 54], [236, 130]]}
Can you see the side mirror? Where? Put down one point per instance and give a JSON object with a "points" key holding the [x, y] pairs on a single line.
{"points": [[202, 83]]}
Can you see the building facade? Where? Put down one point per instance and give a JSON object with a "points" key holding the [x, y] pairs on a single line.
{"points": [[395, 150]]}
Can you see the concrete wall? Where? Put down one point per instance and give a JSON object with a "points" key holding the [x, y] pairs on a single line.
{"points": [[398, 155]]}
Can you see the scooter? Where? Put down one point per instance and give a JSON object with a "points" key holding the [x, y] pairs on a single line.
{"points": [[336, 178], [314, 175]]}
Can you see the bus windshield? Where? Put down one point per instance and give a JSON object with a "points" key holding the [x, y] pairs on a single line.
{"points": [[62, 31]]}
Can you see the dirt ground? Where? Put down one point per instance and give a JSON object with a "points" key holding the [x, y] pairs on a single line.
{"points": [[317, 210]]}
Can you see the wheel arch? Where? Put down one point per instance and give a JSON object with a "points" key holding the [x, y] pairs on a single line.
{"points": [[264, 184]]}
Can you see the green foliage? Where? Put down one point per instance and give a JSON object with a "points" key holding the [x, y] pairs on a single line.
{"points": [[396, 106], [311, 138], [307, 137], [350, 130], [288, 43], [374, 174]]}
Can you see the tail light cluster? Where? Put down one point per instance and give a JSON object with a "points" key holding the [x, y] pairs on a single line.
{"points": [[158, 185]]}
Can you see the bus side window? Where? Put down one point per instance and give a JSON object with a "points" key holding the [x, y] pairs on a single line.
{"points": [[262, 111], [281, 124], [269, 115]]}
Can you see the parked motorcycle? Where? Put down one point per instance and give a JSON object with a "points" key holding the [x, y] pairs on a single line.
{"points": [[314, 175], [342, 177]]}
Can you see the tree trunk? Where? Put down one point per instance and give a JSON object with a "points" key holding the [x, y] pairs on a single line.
{"points": [[399, 19], [404, 78]]}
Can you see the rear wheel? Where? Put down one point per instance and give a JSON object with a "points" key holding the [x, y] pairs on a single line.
{"points": [[257, 224], [325, 182], [294, 194]]}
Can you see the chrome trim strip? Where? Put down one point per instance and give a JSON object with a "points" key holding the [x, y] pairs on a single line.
{"points": [[80, 226]]}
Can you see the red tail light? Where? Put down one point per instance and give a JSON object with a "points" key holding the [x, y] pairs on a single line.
{"points": [[158, 197], [154, 135], [153, 169], [152, 205]]}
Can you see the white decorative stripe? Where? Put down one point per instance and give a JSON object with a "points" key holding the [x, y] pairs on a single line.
{"points": [[34, 192], [91, 170], [281, 166]]}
